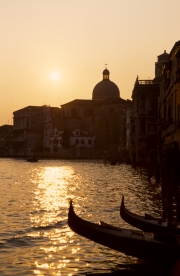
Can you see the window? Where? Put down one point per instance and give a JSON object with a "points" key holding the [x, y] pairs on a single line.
{"points": [[143, 102], [82, 141], [77, 141], [89, 142], [137, 103], [143, 125], [55, 141]]}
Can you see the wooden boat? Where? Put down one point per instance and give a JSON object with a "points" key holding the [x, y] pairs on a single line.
{"points": [[32, 159], [113, 162], [131, 242], [146, 223]]}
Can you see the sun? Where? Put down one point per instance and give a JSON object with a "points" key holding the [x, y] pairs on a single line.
{"points": [[55, 75]]}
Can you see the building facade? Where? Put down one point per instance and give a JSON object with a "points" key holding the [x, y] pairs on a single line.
{"points": [[144, 131], [103, 117], [28, 129], [144, 117], [169, 100], [6, 138]]}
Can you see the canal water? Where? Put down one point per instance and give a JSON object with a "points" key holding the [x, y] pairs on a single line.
{"points": [[34, 197]]}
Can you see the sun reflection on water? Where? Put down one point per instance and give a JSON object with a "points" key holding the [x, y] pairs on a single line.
{"points": [[50, 194], [50, 202]]}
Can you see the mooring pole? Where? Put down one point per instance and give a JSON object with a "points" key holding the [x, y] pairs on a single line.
{"points": [[170, 163]]}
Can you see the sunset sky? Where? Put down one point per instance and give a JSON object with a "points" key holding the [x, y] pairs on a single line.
{"points": [[54, 51]]}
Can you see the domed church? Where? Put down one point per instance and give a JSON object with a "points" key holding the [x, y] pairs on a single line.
{"points": [[105, 89], [103, 117]]}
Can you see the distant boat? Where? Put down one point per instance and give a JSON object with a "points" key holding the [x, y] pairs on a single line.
{"points": [[113, 162], [131, 242], [32, 159], [147, 222]]}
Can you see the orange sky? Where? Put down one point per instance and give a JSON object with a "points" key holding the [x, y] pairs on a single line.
{"points": [[74, 39]]}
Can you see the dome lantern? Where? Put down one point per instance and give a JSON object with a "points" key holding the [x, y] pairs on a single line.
{"points": [[106, 74]]}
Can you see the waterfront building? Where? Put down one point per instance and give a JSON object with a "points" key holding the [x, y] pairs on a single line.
{"points": [[110, 125], [6, 137], [161, 60], [28, 129], [144, 120], [79, 113], [144, 128], [169, 100], [75, 144], [129, 149], [103, 117], [81, 139], [52, 124], [98, 123]]}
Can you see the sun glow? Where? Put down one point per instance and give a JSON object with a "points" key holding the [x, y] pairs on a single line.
{"points": [[55, 75]]}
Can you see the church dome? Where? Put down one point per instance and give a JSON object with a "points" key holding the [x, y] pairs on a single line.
{"points": [[105, 89]]}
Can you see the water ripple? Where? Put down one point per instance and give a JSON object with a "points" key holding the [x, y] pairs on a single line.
{"points": [[34, 206]]}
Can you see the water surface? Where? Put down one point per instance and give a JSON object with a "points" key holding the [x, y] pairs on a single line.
{"points": [[34, 197]]}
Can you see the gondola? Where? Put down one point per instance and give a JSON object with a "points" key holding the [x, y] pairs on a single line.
{"points": [[131, 242], [145, 223], [32, 159]]}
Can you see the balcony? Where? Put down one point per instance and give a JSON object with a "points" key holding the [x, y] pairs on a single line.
{"points": [[145, 82]]}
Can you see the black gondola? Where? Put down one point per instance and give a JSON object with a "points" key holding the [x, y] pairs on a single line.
{"points": [[131, 242], [145, 223], [32, 159]]}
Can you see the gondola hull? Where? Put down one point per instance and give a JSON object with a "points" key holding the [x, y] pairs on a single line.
{"points": [[145, 223], [133, 243], [32, 159]]}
